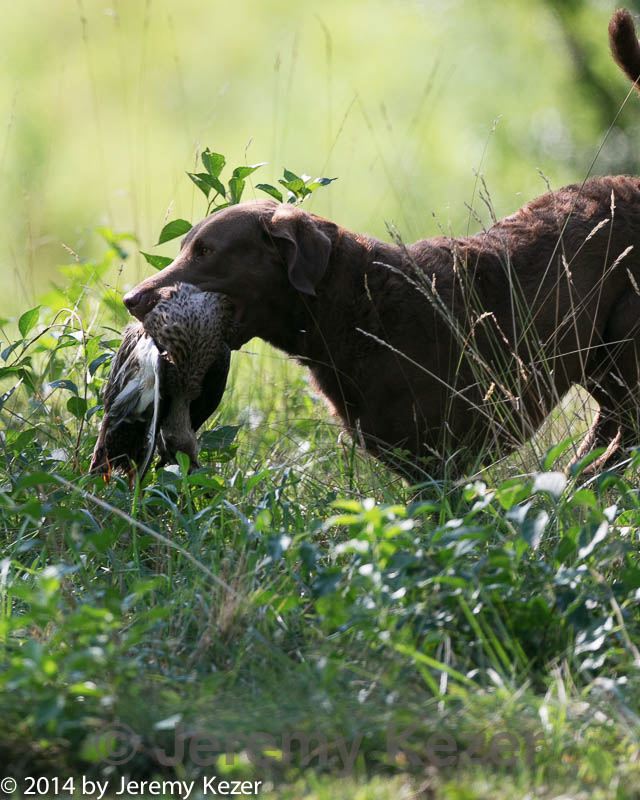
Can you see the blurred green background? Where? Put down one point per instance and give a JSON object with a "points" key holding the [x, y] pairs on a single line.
{"points": [[105, 104]]}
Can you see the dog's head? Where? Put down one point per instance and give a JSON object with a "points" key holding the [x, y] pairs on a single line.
{"points": [[262, 255]]}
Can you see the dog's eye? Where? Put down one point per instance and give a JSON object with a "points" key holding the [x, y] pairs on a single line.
{"points": [[201, 250]]}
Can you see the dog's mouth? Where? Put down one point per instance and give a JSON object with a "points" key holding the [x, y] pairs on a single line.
{"points": [[239, 311]]}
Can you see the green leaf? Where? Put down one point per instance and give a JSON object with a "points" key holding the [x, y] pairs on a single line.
{"points": [[97, 747], [208, 481], [184, 462], [173, 229], [206, 183], [554, 453], [344, 504], [98, 361], [64, 383], [296, 186], [236, 188], [512, 491], [8, 350], [158, 262], [28, 320], [218, 186], [271, 190], [201, 180], [580, 466], [219, 438], [77, 406], [114, 239], [291, 176], [213, 162], [244, 172], [4, 371], [35, 479], [109, 236], [583, 497], [318, 182], [22, 440], [93, 410]]}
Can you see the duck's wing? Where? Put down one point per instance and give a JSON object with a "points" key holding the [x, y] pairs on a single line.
{"points": [[152, 433], [130, 338], [135, 383], [131, 397]]}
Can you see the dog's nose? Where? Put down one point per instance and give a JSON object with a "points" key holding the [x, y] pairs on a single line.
{"points": [[139, 302]]}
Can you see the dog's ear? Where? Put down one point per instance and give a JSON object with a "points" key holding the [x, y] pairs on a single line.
{"points": [[304, 247]]}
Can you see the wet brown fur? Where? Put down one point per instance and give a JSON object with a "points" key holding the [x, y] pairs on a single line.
{"points": [[450, 347]]}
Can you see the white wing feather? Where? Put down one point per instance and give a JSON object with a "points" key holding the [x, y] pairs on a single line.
{"points": [[153, 428], [139, 378]]}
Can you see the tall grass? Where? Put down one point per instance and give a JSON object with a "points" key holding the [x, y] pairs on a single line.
{"points": [[294, 603], [475, 638], [103, 107]]}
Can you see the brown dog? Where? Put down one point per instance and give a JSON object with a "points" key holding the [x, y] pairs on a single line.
{"points": [[447, 348]]}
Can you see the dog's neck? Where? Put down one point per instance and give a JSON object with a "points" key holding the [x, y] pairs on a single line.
{"points": [[354, 258], [325, 340]]}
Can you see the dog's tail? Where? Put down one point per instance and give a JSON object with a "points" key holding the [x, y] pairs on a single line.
{"points": [[624, 44]]}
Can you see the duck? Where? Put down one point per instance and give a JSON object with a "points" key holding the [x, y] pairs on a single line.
{"points": [[166, 379]]}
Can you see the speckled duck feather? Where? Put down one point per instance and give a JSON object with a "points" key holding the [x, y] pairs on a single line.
{"points": [[167, 377]]}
